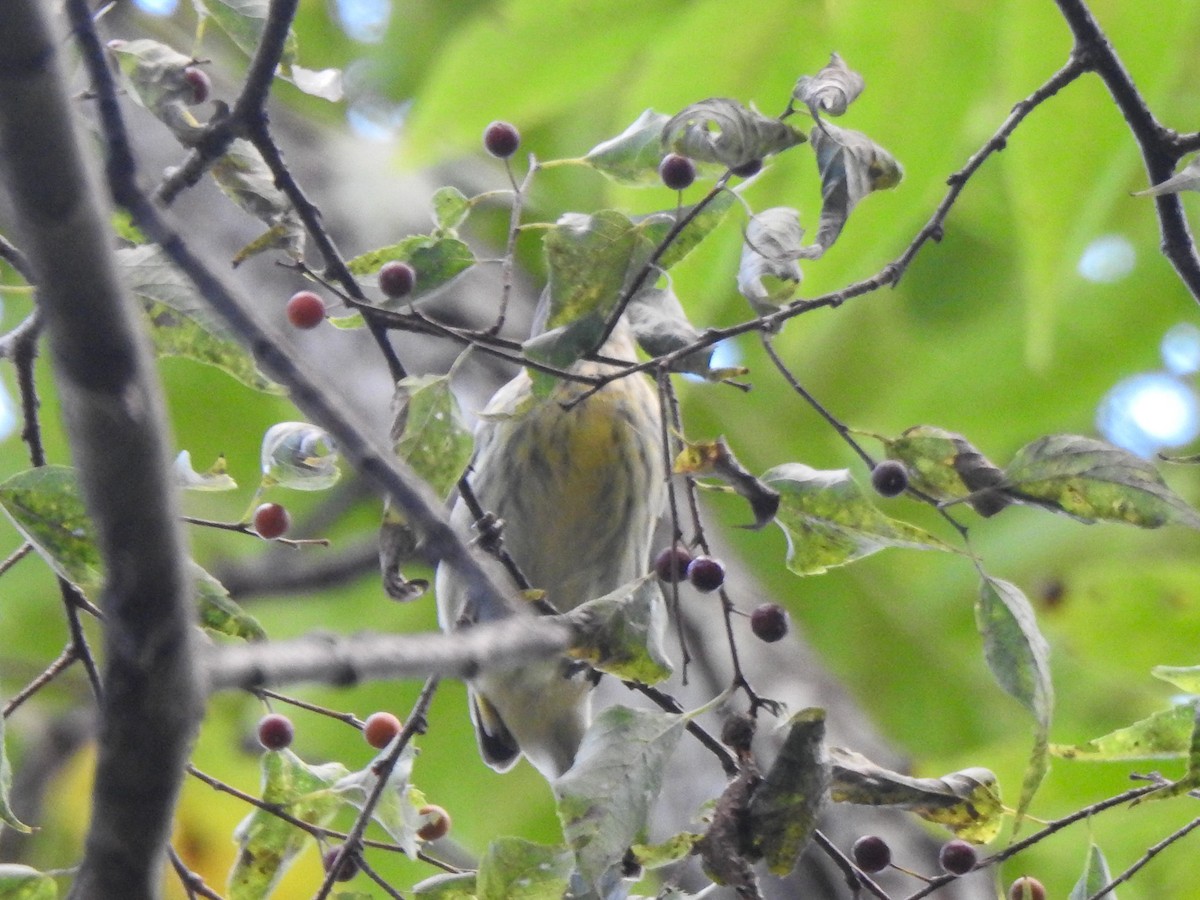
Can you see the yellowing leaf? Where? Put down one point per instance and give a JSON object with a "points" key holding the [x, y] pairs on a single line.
{"points": [[435, 260], [793, 794], [218, 611], [947, 467], [967, 802], [622, 632], [1166, 734], [521, 870], [19, 882], [1090, 480]]}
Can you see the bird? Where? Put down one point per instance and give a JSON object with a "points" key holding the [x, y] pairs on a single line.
{"points": [[578, 482]]}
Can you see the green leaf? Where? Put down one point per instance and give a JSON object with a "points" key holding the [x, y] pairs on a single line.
{"points": [[829, 521], [397, 811], [1019, 658], [180, 321], [724, 131], [769, 273], [299, 456], [7, 816], [47, 507], [632, 157], [793, 794], [655, 227], [429, 431], [591, 260], [604, 799], [1167, 734], [218, 611], [243, 22], [674, 849], [24, 883], [450, 209], [217, 478], [244, 177], [661, 326], [1090, 480], [267, 845], [851, 166], [1095, 876], [830, 91], [153, 76], [622, 632], [967, 802], [457, 886], [515, 869], [436, 260], [1186, 678], [947, 467]]}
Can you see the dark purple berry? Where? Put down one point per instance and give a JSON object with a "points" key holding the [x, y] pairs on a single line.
{"points": [[747, 169], [677, 172], [396, 278], [706, 574], [769, 622], [1026, 888], [199, 82], [305, 310], [871, 853], [957, 857], [343, 865], [889, 478], [672, 564], [501, 139], [275, 731], [271, 521], [737, 732]]}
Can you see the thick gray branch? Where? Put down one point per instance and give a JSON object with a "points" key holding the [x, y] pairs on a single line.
{"points": [[342, 660], [114, 416]]}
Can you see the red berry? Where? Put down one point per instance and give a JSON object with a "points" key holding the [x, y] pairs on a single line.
{"points": [[305, 310], [1026, 888], [199, 82], [396, 278], [671, 565], [343, 865], [271, 521], [677, 172], [871, 853], [769, 622], [380, 728], [706, 574], [501, 139], [889, 478], [746, 169], [957, 857], [436, 823], [275, 731]]}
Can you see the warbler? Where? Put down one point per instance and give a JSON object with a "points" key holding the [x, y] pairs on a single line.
{"points": [[579, 489]]}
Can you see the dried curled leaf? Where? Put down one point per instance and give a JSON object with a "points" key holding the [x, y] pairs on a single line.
{"points": [[769, 271], [831, 90], [724, 131], [967, 802], [1090, 480], [851, 166], [217, 478], [724, 849], [947, 467], [716, 458]]}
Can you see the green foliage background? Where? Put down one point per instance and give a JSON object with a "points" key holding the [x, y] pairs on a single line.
{"points": [[992, 333]]}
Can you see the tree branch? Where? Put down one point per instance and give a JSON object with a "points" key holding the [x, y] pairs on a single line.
{"points": [[114, 416]]}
